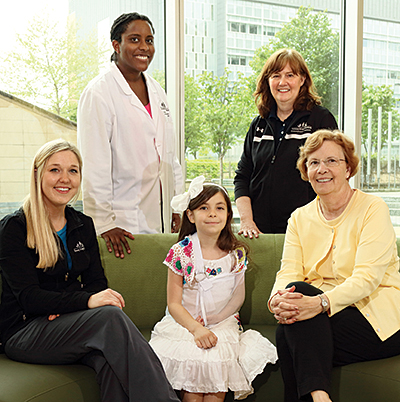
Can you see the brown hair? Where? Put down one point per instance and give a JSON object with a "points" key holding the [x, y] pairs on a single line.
{"points": [[315, 141], [307, 97], [227, 241]]}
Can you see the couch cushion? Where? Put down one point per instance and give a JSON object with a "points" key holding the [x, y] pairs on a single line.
{"points": [[46, 383], [141, 276], [264, 261], [372, 381]]}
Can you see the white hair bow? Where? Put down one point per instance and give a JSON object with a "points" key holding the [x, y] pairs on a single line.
{"points": [[180, 202]]}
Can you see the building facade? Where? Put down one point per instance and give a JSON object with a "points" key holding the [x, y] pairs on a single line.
{"points": [[225, 33]]}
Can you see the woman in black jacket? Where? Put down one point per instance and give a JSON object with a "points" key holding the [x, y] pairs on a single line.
{"points": [[55, 304], [268, 187]]}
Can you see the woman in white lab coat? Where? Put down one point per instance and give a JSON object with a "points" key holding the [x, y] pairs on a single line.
{"points": [[127, 140]]}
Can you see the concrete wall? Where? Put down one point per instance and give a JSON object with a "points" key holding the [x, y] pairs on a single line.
{"points": [[24, 128]]}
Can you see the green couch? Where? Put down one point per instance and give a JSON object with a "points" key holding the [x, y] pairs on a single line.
{"points": [[141, 278]]}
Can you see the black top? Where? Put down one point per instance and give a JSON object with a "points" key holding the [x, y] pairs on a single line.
{"points": [[279, 127], [29, 292], [267, 171]]}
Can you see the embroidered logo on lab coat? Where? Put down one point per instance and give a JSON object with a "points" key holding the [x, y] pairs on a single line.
{"points": [[164, 109]]}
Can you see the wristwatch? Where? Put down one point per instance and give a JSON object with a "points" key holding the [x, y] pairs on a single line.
{"points": [[324, 304]]}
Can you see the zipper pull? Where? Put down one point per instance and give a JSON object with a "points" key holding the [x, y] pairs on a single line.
{"points": [[66, 276]]}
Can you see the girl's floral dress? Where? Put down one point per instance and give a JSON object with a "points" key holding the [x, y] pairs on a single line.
{"points": [[215, 291]]}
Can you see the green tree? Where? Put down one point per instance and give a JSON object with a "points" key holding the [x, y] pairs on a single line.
{"points": [[52, 65], [195, 136], [159, 76], [227, 112], [372, 98], [194, 127], [309, 33]]}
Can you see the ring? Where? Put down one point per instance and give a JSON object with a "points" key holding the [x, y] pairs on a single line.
{"points": [[285, 319]]}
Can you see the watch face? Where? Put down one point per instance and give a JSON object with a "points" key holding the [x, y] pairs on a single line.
{"points": [[324, 303]]}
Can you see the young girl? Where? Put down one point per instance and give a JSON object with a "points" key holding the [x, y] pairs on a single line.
{"points": [[200, 341]]}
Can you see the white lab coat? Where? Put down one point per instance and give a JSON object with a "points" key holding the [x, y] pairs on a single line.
{"points": [[127, 155]]}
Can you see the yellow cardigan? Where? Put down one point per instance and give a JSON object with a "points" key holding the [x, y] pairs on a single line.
{"points": [[352, 258]]}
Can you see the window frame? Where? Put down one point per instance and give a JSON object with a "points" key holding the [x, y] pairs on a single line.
{"points": [[350, 74]]}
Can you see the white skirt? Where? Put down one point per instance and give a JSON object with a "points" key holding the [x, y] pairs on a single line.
{"points": [[232, 364]]}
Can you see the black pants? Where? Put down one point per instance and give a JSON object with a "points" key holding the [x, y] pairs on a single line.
{"points": [[308, 350], [103, 338]]}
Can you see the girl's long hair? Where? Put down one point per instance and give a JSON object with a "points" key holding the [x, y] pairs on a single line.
{"points": [[227, 241], [40, 233]]}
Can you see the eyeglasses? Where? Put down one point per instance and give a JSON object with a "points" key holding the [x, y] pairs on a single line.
{"points": [[329, 163]]}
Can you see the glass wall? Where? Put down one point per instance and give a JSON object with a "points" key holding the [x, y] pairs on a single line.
{"points": [[380, 168], [49, 54], [226, 45]]}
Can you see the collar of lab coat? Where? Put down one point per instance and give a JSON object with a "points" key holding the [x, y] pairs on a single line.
{"points": [[151, 90]]}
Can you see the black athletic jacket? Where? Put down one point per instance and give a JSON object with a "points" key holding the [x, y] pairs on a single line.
{"points": [[29, 292], [270, 178]]}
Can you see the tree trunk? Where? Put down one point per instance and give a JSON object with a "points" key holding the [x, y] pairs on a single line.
{"points": [[221, 169]]}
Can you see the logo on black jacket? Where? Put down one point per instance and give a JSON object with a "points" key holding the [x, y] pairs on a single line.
{"points": [[301, 128], [79, 247]]}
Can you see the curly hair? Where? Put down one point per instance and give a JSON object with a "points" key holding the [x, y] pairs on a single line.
{"points": [[315, 141]]}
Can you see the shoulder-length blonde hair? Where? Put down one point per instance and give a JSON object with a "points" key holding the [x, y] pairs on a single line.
{"points": [[40, 233], [315, 141], [308, 96]]}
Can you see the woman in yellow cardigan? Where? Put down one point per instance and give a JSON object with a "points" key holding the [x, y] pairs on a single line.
{"points": [[337, 294]]}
